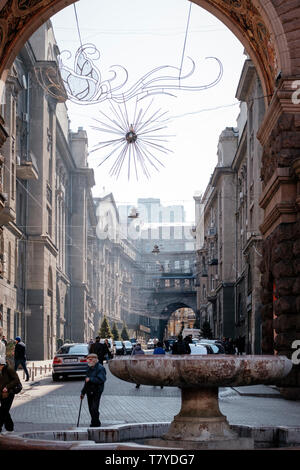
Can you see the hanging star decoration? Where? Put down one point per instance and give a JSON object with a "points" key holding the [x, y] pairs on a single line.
{"points": [[136, 141]]}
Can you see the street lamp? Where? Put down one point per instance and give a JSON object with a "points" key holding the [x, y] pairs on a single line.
{"points": [[156, 250], [133, 214]]}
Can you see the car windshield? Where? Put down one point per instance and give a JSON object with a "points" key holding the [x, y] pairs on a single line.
{"points": [[74, 349], [127, 343], [118, 343]]}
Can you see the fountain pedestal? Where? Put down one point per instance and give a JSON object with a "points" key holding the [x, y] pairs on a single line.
{"points": [[200, 423]]}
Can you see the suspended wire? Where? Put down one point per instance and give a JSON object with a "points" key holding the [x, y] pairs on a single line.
{"points": [[77, 23], [185, 40]]}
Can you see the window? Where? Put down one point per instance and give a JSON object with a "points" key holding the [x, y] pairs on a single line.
{"points": [[9, 263]]}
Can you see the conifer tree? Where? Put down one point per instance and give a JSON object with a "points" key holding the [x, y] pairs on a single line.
{"points": [[115, 332], [206, 331], [105, 331], [124, 333]]}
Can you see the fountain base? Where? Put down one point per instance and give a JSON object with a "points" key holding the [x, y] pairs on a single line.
{"points": [[201, 425], [242, 443]]}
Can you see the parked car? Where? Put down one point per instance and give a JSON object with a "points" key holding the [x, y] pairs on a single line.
{"points": [[133, 341], [128, 347], [119, 348], [198, 349], [150, 344], [70, 359], [216, 348]]}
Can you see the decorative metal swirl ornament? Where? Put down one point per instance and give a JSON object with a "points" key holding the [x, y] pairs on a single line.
{"points": [[84, 83], [136, 139]]}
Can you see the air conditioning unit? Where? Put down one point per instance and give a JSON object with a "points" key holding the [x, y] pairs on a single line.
{"points": [[25, 117], [241, 195], [216, 277], [18, 160], [242, 231]]}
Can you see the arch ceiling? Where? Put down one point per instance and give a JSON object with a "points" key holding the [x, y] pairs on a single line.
{"points": [[254, 22]]}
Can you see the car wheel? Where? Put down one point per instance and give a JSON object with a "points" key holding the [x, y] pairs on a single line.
{"points": [[55, 377]]}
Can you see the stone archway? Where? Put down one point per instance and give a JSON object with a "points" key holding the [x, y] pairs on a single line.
{"points": [[270, 33]]}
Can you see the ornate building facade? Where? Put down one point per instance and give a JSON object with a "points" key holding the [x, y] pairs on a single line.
{"points": [[229, 242], [47, 293]]}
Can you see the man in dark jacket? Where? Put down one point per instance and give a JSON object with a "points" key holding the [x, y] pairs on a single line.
{"points": [[180, 346], [20, 356], [100, 349], [93, 387]]}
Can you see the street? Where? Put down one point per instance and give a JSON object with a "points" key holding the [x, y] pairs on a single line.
{"points": [[48, 405]]}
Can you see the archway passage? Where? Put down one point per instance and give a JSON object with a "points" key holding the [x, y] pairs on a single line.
{"points": [[270, 32]]}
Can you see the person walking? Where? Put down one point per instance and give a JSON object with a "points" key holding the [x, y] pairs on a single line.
{"points": [[137, 350], [20, 356], [100, 349], [93, 387], [2, 344], [109, 354], [159, 350], [8, 380], [180, 346]]}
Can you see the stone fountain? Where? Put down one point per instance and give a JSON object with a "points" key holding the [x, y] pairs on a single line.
{"points": [[200, 423]]}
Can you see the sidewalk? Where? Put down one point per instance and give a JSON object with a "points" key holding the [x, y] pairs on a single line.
{"points": [[266, 391], [36, 369]]}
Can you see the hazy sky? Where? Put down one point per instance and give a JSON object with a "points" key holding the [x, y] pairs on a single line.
{"points": [[142, 35]]}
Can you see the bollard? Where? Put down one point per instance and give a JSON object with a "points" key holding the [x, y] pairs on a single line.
{"points": [[41, 371], [32, 370]]}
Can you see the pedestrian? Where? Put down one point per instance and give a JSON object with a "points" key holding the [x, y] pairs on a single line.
{"points": [[109, 354], [93, 387], [188, 340], [159, 350], [167, 344], [8, 380], [4, 340], [137, 351], [99, 348], [240, 344], [180, 346], [20, 356], [2, 345]]}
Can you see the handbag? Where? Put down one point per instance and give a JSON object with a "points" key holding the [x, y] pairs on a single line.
{"points": [[17, 389]]}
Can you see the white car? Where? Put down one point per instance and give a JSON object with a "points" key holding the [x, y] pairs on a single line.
{"points": [[198, 349]]}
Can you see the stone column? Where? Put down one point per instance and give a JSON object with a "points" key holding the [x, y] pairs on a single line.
{"points": [[280, 267]]}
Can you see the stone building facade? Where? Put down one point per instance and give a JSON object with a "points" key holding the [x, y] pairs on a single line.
{"points": [[229, 217], [47, 293]]}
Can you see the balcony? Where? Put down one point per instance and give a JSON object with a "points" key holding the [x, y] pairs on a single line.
{"points": [[26, 171], [7, 215]]}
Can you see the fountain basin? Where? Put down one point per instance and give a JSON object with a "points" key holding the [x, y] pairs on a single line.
{"points": [[200, 423]]}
